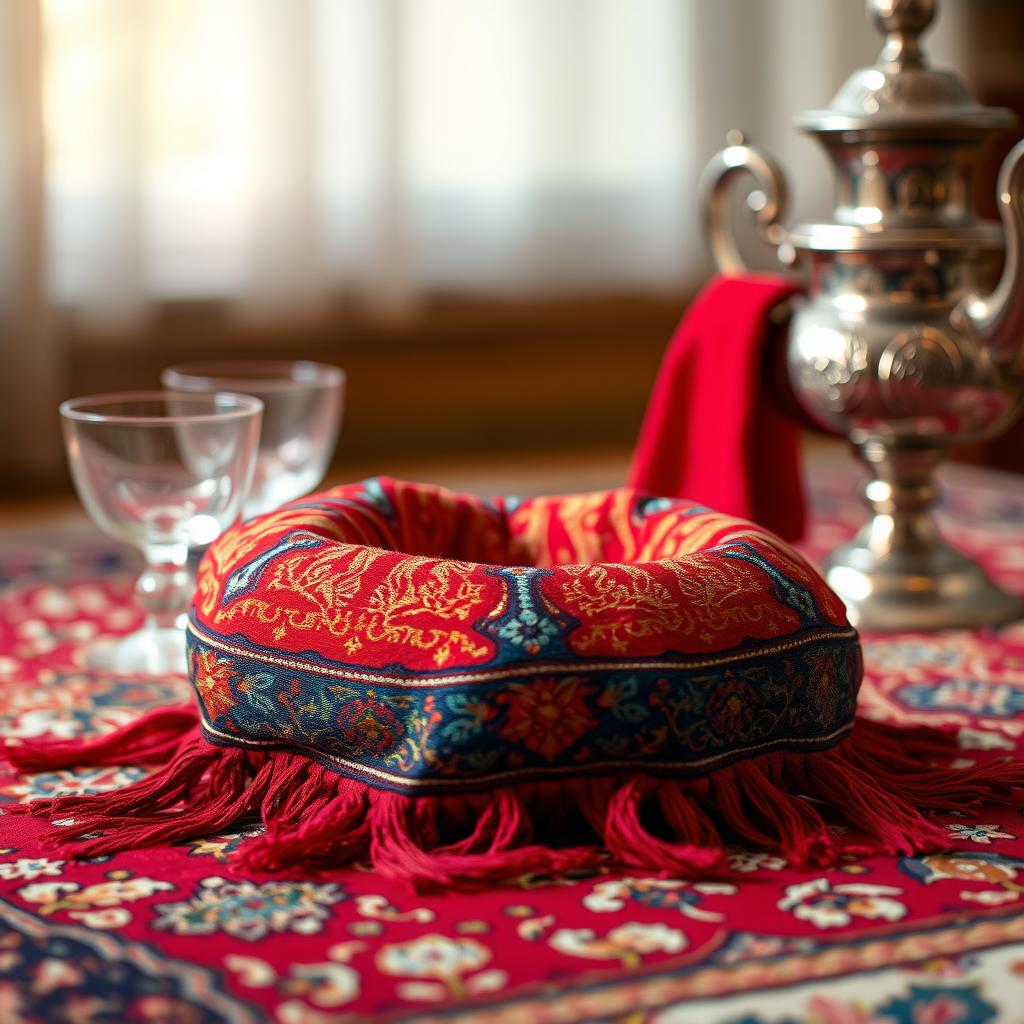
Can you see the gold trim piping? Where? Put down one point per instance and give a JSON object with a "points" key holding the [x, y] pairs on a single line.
{"points": [[406, 781], [581, 666]]}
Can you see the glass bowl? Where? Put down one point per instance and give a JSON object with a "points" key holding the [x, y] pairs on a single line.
{"points": [[302, 407], [164, 472]]}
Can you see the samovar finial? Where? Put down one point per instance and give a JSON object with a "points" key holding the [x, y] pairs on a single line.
{"points": [[902, 22], [908, 341]]}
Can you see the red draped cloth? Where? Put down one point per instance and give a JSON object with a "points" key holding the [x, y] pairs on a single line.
{"points": [[715, 430]]}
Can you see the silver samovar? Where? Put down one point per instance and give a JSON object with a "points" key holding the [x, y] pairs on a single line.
{"points": [[908, 341]]}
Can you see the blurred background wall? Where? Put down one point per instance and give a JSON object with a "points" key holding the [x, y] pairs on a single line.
{"points": [[483, 209]]}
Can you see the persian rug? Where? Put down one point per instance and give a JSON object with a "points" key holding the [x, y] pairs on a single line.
{"points": [[181, 932], [461, 690]]}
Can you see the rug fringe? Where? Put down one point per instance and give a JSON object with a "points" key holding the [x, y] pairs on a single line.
{"points": [[881, 780], [150, 739]]}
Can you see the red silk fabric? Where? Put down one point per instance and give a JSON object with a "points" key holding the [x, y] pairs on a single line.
{"points": [[713, 431]]}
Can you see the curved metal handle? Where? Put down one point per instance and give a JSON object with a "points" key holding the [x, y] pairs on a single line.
{"points": [[999, 318], [767, 201]]}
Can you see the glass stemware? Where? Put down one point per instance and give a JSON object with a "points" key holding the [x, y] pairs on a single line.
{"points": [[163, 472], [302, 406]]}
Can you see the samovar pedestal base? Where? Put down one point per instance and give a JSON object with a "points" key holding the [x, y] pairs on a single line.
{"points": [[898, 573], [880, 595]]}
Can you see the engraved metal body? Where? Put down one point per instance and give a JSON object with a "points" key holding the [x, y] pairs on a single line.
{"points": [[907, 341]]}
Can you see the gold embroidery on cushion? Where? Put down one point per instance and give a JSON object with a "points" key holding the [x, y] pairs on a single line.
{"points": [[717, 594], [332, 580], [448, 592], [713, 595], [594, 591], [794, 566], [232, 548], [328, 580]]}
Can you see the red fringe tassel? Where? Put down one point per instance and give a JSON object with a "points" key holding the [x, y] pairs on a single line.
{"points": [[150, 739], [881, 780]]}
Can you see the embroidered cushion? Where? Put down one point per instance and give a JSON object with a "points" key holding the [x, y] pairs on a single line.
{"points": [[417, 639]]}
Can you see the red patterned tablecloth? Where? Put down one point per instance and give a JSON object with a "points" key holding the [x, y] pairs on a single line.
{"points": [[176, 935]]}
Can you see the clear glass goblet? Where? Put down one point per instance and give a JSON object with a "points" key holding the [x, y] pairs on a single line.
{"points": [[302, 406], [163, 472]]}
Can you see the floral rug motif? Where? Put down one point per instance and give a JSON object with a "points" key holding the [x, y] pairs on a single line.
{"points": [[178, 934]]}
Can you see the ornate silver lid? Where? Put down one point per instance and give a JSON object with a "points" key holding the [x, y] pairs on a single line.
{"points": [[905, 141], [901, 90]]}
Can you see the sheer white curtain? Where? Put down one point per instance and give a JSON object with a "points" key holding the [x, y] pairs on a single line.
{"points": [[276, 151], [30, 359]]}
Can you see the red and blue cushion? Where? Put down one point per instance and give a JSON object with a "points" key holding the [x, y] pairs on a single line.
{"points": [[417, 639]]}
